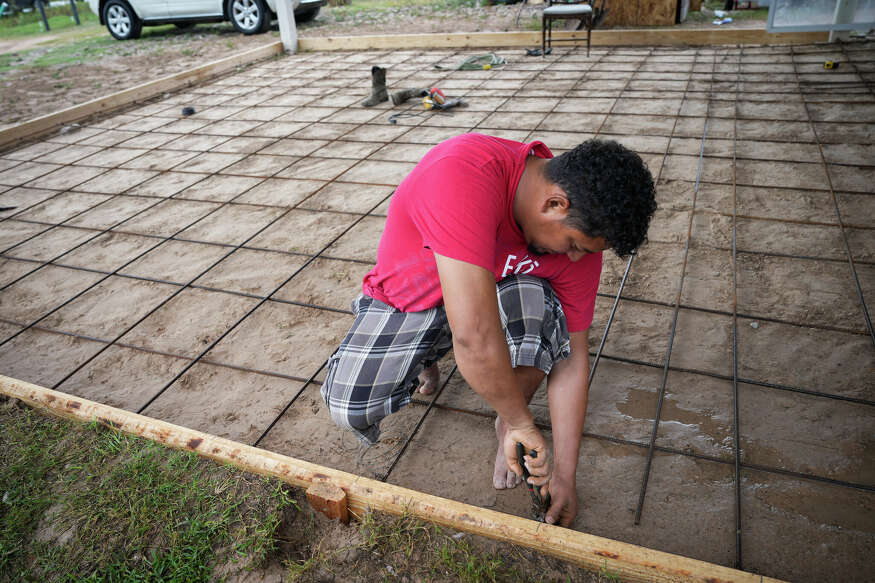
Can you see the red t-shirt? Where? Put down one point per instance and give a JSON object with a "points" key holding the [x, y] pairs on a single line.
{"points": [[458, 202]]}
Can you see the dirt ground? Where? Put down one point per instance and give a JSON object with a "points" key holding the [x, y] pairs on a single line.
{"points": [[139, 259]]}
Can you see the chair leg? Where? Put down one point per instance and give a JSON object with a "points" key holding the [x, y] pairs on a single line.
{"points": [[549, 33], [543, 34], [588, 33]]}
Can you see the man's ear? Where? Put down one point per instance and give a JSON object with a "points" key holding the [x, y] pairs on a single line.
{"points": [[555, 203]]}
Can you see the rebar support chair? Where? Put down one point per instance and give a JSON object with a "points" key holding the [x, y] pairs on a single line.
{"points": [[569, 9]]}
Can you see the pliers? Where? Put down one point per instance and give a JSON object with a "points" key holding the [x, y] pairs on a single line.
{"points": [[539, 505]]}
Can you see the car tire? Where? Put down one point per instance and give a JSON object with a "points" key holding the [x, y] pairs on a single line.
{"points": [[121, 20], [249, 16], [307, 15]]}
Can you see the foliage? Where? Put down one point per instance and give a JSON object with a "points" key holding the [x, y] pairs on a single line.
{"points": [[60, 17]]}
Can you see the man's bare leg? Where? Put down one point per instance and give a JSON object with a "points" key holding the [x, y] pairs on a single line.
{"points": [[429, 379], [528, 380]]}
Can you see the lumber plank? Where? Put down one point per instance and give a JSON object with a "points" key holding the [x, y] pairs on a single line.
{"points": [[630, 562], [621, 37], [37, 126]]}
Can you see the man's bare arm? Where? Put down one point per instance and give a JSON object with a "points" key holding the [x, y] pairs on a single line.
{"points": [[483, 358], [567, 390]]}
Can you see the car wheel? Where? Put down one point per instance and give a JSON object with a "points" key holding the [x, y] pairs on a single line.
{"points": [[121, 20], [307, 15], [249, 16]]}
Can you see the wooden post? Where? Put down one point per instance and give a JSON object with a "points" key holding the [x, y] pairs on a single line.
{"points": [[330, 500], [285, 14]]}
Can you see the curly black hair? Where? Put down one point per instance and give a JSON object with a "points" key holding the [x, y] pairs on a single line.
{"points": [[610, 192]]}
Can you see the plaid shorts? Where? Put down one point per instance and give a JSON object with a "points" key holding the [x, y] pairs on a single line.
{"points": [[374, 371]]}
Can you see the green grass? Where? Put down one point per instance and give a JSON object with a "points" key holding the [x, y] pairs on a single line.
{"points": [[83, 503], [92, 46], [59, 17], [77, 51]]}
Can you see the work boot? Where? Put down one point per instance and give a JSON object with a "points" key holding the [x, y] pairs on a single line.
{"points": [[399, 97], [378, 89]]}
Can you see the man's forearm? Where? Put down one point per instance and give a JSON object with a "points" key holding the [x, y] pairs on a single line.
{"points": [[488, 371], [568, 389]]}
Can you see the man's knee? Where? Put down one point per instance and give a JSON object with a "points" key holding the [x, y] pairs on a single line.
{"points": [[525, 301], [533, 322], [346, 408]]}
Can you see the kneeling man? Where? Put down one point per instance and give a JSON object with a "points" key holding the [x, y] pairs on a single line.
{"points": [[493, 248]]}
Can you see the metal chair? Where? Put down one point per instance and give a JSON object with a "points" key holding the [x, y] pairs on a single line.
{"points": [[583, 10]]}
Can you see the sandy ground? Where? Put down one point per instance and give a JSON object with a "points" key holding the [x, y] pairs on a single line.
{"points": [[142, 247]]}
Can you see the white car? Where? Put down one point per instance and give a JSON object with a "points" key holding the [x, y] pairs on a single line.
{"points": [[126, 18]]}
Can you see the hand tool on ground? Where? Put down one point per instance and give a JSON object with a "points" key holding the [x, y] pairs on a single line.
{"points": [[539, 505], [437, 100]]}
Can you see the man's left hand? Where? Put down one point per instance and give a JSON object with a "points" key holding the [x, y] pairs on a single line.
{"points": [[563, 501]]}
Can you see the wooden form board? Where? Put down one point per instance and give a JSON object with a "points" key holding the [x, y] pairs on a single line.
{"points": [[625, 37], [35, 127], [629, 562]]}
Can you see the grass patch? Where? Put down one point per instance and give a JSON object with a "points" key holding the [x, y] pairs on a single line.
{"points": [[81, 503], [72, 53], [98, 44], [375, 9], [86, 504], [59, 17]]}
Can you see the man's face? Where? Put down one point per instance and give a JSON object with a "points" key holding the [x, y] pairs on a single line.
{"points": [[555, 237]]}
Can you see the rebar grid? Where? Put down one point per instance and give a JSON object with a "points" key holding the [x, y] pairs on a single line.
{"points": [[735, 417], [838, 213], [625, 93], [667, 360], [675, 451], [419, 402]]}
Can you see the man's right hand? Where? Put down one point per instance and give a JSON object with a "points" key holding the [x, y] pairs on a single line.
{"points": [[532, 439]]}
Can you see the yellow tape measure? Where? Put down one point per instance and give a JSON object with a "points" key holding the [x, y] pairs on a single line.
{"points": [[830, 65]]}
